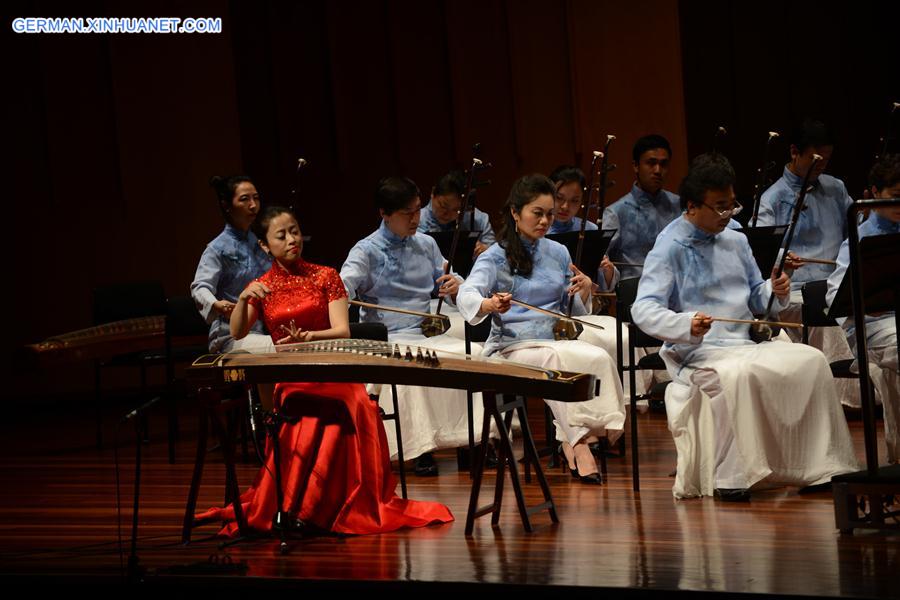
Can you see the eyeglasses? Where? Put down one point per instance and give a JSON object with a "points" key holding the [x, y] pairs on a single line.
{"points": [[728, 212]]}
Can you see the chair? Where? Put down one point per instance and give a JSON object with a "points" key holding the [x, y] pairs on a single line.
{"points": [[186, 340], [117, 302], [626, 292], [814, 313]]}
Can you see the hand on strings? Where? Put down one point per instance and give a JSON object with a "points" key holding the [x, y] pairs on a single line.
{"points": [[256, 289], [581, 283], [448, 284], [498, 303], [793, 262], [479, 248], [781, 286], [294, 334], [223, 307], [700, 324], [609, 270]]}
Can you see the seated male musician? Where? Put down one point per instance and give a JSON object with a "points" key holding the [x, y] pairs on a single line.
{"points": [[743, 415], [821, 228], [399, 267], [881, 329]]}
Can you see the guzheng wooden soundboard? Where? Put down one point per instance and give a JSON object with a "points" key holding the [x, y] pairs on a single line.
{"points": [[366, 361], [100, 342]]}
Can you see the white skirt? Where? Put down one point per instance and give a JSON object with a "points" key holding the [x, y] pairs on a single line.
{"points": [[602, 415], [756, 414], [430, 418], [606, 339]]}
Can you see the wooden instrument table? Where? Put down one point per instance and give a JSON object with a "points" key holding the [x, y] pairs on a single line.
{"points": [[385, 362]]}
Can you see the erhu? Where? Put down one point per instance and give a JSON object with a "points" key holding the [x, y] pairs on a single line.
{"points": [[438, 324], [569, 329], [761, 331], [763, 178]]}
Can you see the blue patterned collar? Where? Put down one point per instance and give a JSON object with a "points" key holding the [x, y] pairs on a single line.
{"points": [[392, 238], [237, 233]]}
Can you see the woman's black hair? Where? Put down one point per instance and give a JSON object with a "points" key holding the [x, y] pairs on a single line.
{"points": [[261, 224], [524, 191], [224, 188], [710, 171], [395, 193], [567, 174]]}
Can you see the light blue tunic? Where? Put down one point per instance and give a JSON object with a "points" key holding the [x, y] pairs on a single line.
{"points": [[387, 269], [546, 287], [573, 224], [690, 271], [822, 225], [639, 217], [229, 262], [428, 222], [879, 327]]}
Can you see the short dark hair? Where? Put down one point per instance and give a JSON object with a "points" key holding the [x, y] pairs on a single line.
{"points": [[707, 172], [564, 174], [395, 193], [224, 188], [886, 172], [453, 182], [811, 133], [650, 142]]}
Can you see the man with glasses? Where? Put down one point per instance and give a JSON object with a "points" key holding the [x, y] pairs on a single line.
{"points": [[742, 415], [446, 202], [398, 267], [820, 230]]}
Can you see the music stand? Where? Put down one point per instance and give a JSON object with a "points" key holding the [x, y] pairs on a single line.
{"points": [[465, 248], [765, 242], [596, 242], [872, 284]]}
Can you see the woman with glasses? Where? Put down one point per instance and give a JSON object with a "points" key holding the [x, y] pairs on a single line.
{"points": [[446, 202], [743, 415]]}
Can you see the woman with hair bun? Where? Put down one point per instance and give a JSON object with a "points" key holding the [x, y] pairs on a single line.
{"points": [[229, 262]]}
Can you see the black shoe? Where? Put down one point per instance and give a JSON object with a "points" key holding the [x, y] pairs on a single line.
{"points": [[565, 462], [812, 489], [425, 466], [732, 495], [490, 459]]}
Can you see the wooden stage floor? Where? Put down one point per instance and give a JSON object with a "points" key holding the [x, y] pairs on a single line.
{"points": [[58, 523]]}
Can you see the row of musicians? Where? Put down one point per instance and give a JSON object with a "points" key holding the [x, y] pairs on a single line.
{"points": [[768, 414]]}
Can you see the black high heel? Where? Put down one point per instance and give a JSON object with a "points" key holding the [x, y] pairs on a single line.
{"points": [[564, 464], [592, 479]]}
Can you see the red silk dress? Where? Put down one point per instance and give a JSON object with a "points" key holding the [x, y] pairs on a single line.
{"points": [[335, 468]]}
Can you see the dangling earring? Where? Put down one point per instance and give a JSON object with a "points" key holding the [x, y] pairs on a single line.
{"points": [[517, 227]]}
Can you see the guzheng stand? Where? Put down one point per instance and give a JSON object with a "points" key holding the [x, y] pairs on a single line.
{"points": [[868, 499], [215, 374]]}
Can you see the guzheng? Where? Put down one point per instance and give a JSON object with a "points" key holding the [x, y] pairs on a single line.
{"points": [[385, 362], [101, 341]]}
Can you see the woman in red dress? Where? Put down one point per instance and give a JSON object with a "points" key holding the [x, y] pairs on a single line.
{"points": [[335, 467]]}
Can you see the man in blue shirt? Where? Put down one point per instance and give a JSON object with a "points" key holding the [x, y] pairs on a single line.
{"points": [[821, 228], [741, 414], [643, 212], [400, 267], [881, 329]]}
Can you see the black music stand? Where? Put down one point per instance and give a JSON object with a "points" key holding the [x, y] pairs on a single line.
{"points": [[463, 261], [765, 242], [866, 499], [596, 243]]}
